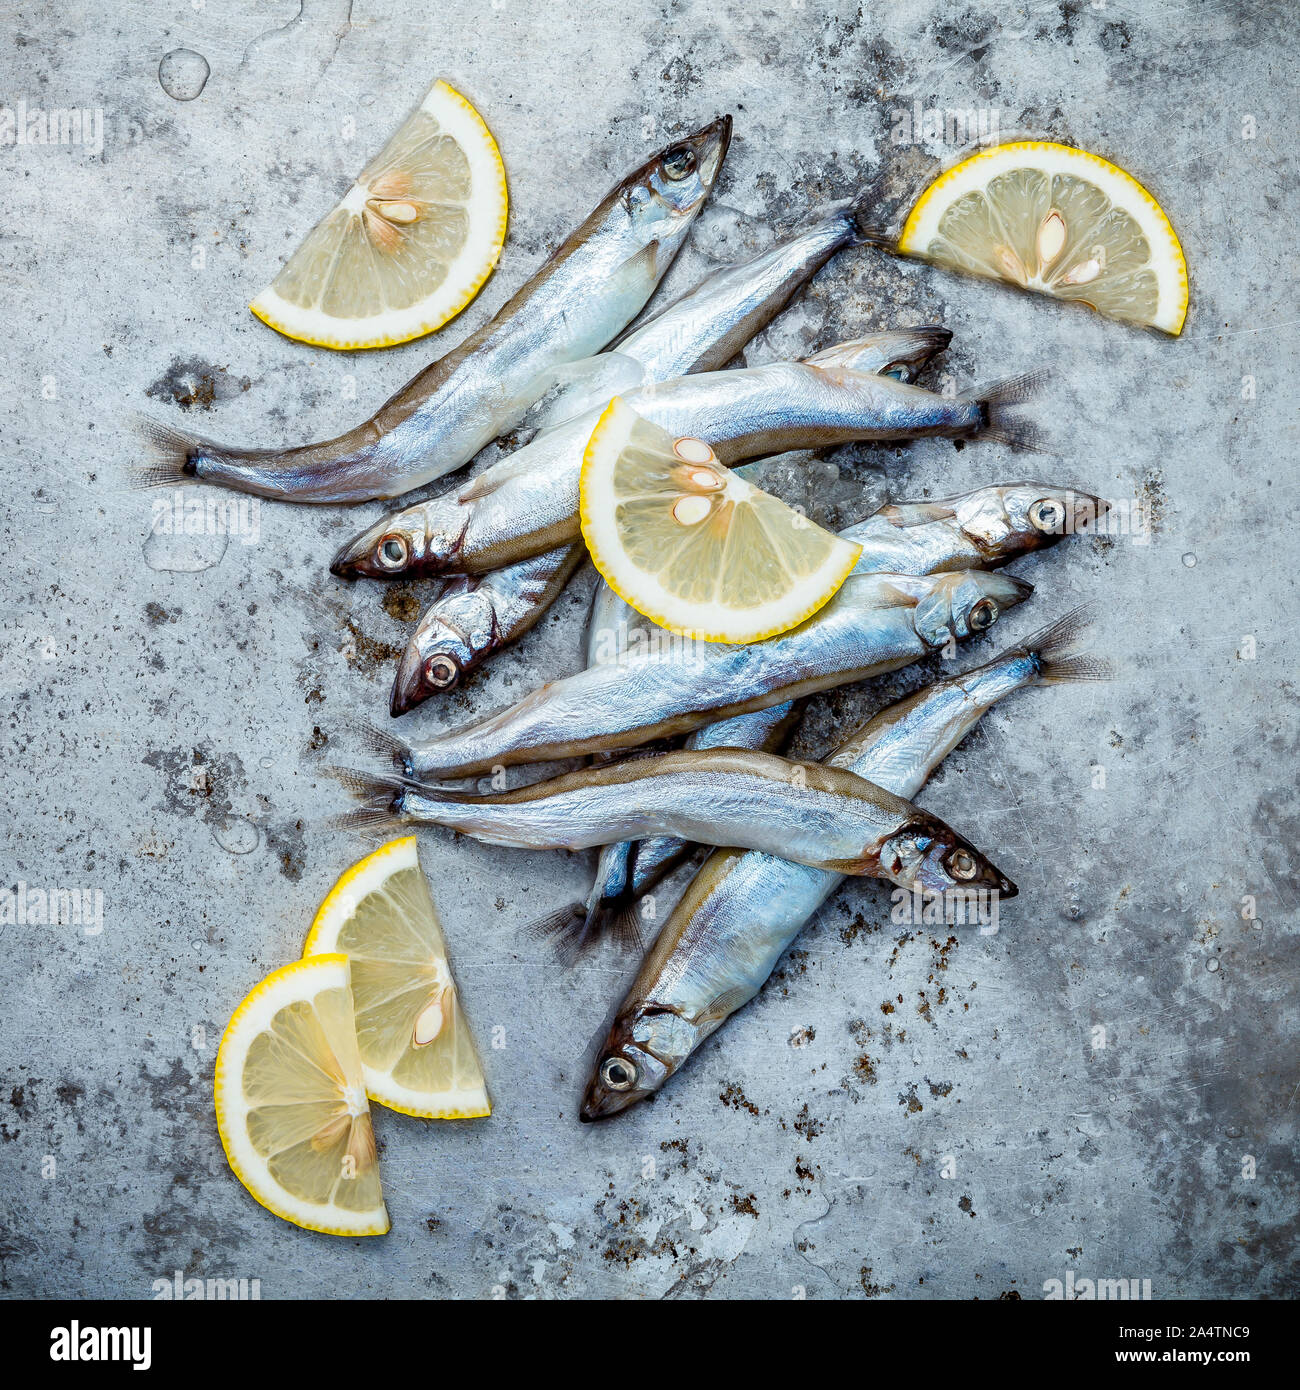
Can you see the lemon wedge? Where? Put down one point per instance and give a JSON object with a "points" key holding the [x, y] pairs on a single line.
{"points": [[291, 1102], [1058, 221], [693, 546], [410, 245], [417, 1053]]}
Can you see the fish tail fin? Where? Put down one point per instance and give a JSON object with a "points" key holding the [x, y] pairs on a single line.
{"points": [[381, 795], [171, 454], [388, 747], [994, 402], [867, 228], [565, 929], [574, 929], [624, 925], [1053, 650]]}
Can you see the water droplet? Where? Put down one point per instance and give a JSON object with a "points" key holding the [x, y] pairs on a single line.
{"points": [[184, 554], [183, 74], [1189, 560], [237, 836], [1211, 965], [196, 945]]}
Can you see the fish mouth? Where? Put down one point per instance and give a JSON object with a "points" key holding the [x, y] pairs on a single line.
{"points": [[346, 563], [408, 688], [599, 1104], [710, 144], [1087, 509]]}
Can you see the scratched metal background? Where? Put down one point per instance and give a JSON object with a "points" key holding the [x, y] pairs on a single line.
{"points": [[169, 703]]}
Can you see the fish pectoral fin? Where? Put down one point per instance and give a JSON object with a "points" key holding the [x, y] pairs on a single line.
{"points": [[915, 513], [725, 1005], [893, 595], [482, 486]]}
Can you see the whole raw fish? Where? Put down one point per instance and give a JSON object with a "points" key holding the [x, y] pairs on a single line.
{"points": [[742, 910], [875, 623], [816, 814], [582, 298]]}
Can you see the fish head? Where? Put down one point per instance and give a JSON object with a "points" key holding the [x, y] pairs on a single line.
{"points": [[929, 857], [965, 603], [645, 1046], [903, 353], [400, 545], [1010, 520], [438, 657], [673, 184]]}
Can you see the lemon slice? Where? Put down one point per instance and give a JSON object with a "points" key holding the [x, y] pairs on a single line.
{"points": [[291, 1102], [693, 546], [417, 1052], [410, 245], [1059, 221]]}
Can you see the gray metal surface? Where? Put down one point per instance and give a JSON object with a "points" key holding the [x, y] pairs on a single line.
{"points": [[907, 1111]]}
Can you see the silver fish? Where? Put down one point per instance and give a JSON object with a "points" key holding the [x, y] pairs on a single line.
{"points": [[459, 632], [816, 814], [988, 527], [528, 503], [875, 623], [742, 910], [584, 296]]}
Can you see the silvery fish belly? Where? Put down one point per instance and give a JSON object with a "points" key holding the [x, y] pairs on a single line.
{"points": [[876, 623], [742, 910], [589, 290]]}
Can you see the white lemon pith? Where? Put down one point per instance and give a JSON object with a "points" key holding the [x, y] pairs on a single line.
{"points": [[693, 546], [411, 243], [291, 1101], [1059, 221], [417, 1052]]}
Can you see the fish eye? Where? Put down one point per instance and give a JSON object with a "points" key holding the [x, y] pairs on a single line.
{"points": [[679, 162], [618, 1073], [983, 615], [392, 552], [961, 864], [1047, 515], [441, 672]]}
